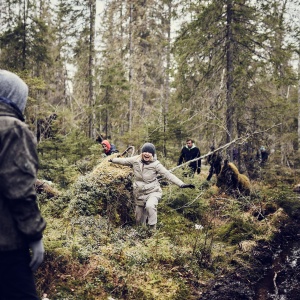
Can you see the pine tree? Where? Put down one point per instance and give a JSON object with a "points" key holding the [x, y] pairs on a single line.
{"points": [[221, 55]]}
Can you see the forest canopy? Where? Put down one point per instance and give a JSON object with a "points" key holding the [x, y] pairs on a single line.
{"points": [[157, 71], [222, 72]]}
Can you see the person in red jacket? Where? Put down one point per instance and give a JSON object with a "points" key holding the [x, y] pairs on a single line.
{"points": [[108, 148], [21, 223]]}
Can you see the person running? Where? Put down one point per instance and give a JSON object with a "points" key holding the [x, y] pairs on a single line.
{"points": [[146, 187]]}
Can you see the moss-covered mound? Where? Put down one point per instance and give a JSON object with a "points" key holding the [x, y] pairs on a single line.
{"points": [[95, 251], [106, 191]]}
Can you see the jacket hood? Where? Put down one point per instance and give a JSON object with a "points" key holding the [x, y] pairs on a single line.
{"points": [[107, 144], [13, 88], [8, 110], [193, 146]]}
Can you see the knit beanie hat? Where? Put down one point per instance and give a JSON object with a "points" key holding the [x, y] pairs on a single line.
{"points": [[13, 88], [148, 147]]}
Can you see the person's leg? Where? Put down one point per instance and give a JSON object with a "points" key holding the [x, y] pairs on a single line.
{"points": [[210, 173], [16, 278], [140, 215], [192, 171], [218, 169], [151, 210]]}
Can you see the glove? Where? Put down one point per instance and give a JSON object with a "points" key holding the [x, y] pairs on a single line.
{"points": [[187, 186], [198, 170], [38, 251]]}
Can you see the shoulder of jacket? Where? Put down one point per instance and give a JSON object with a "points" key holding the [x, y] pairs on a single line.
{"points": [[156, 164], [12, 119], [8, 123], [135, 158]]}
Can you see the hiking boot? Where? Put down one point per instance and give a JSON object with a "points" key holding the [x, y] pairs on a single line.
{"points": [[152, 227]]}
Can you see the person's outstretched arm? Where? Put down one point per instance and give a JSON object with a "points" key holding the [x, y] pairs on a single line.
{"points": [[161, 170], [126, 161]]}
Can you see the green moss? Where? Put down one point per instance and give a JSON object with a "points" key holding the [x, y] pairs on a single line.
{"points": [[290, 204], [187, 204], [236, 231], [94, 249]]}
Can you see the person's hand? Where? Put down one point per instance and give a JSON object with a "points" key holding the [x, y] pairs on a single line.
{"points": [[198, 170], [187, 186], [38, 251]]}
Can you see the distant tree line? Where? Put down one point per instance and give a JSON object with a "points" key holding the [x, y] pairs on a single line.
{"points": [[158, 70]]}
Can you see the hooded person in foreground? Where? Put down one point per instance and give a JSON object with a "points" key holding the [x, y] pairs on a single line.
{"points": [[146, 187], [21, 224]]}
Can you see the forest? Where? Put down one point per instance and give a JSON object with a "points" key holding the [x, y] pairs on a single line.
{"points": [[222, 72]]}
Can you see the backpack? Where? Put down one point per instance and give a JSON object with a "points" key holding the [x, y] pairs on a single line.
{"points": [[113, 149]]}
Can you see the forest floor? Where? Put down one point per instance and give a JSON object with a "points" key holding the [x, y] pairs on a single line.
{"points": [[208, 245]]}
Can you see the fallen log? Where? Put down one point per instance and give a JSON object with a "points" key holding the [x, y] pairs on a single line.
{"points": [[41, 186]]}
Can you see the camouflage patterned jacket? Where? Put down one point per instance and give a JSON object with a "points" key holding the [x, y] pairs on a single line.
{"points": [[20, 218]]}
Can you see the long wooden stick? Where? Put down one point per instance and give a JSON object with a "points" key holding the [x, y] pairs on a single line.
{"points": [[242, 138]]}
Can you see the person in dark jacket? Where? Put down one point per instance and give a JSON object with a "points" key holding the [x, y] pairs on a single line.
{"points": [[108, 148], [21, 224], [190, 152], [263, 155], [146, 187], [215, 161]]}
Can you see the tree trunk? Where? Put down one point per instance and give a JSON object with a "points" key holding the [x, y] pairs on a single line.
{"points": [[130, 66], [24, 44], [106, 112], [167, 78], [144, 46], [229, 77], [299, 100], [91, 96]]}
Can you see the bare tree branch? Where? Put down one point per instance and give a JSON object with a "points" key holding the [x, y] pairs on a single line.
{"points": [[241, 140]]}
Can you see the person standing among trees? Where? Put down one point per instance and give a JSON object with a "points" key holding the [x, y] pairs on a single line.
{"points": [[190, 152], [146, 187], [262, 155], [21, 224]]}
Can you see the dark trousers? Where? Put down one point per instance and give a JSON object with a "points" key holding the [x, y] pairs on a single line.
{"points": [[190, 172], [16, 278], [214, 169]]}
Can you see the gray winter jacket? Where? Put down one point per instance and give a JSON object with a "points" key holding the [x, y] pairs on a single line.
{"points": [[20, 218], [145, 182]]}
